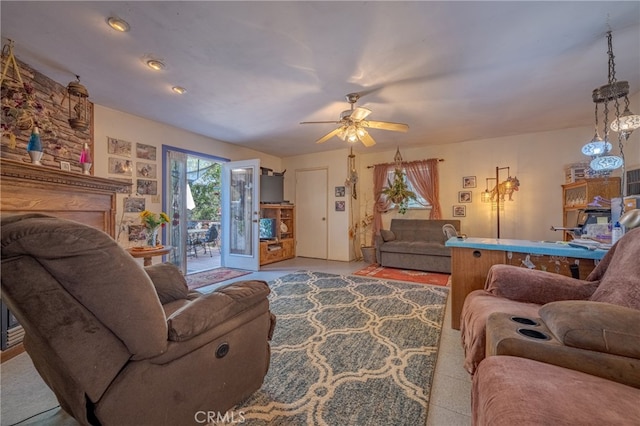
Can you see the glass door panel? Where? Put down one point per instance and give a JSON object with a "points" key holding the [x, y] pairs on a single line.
{"points": [[240, 210], [176, 208]]}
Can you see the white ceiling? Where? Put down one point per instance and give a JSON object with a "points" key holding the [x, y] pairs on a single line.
{"points": [[453, 71]]}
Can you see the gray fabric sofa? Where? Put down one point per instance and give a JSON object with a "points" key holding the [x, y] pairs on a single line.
{"points": [[415, 244]]}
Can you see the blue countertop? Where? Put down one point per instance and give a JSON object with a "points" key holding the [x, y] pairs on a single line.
{"points": [[549, 248]]}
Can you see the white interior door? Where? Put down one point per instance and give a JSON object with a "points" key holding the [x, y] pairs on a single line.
{"points": [[240, 214], [311, 213]]}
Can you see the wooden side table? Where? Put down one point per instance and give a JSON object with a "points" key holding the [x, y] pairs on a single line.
{"points": [[147, 252]]}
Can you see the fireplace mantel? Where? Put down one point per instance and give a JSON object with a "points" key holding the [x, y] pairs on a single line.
{"points": [[28, 188]]}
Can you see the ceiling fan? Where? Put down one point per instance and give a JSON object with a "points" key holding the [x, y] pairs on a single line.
{"points": [[353, 124]]}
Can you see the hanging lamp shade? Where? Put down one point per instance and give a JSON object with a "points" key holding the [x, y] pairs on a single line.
{"points": [[606, 163], [627, 123], [597, 146]]}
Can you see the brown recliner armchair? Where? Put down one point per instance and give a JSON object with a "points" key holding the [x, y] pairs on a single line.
{"points": [[120, 344], [614, 283]]}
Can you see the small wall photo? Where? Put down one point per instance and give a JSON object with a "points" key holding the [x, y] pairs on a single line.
{"points": [[146, 170], [464, 196], [469, 182], [145, 152], [134, 204], [147, 187], [459, 211], [118, 166], [118, 147]]}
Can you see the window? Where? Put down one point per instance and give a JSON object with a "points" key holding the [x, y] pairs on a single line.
{"points": [[419, 202]]}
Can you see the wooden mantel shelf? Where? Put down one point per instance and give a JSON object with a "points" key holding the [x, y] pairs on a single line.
{"points": [[27, 172], [29, 188]]}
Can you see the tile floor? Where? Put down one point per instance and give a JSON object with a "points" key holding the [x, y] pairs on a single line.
{"points": [[450, 396]]}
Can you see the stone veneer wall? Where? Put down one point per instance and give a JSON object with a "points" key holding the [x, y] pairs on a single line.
{"points": [[64, 143]]}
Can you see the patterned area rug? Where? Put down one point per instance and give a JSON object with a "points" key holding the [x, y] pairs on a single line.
{"points": [[349, 350], [421, 277], [213, 276]]}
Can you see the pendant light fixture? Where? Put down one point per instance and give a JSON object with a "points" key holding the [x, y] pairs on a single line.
{"points": [[599, 149]]}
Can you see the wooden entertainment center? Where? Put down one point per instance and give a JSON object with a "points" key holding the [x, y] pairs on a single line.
{"points": [[28, 188], [281, 245]]}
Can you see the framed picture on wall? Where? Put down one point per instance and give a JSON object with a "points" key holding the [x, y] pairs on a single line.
{"points": [[134, 204], [464, 196], [118, 147], [469, 182], [340, 206], [147, 187], [459, 211], [146, 152], [119, 166], [146, 170], [339, 191]]}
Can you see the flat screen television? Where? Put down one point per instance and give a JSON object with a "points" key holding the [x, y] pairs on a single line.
{"points": [[271, 189], [267, 229]]}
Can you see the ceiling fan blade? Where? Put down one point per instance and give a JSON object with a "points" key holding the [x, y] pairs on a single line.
{"points": [[367, 140], [386, 125], [329, 135], [360, 113], [321, 122]]}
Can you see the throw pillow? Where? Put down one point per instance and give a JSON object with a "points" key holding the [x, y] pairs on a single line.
{"points": [[387, 235]]}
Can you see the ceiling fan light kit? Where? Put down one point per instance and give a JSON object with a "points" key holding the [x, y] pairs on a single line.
{"points": [[353, 124]]}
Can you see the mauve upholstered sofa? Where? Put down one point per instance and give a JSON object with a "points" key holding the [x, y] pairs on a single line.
{"points": [[509, 391], [612, 293], [120, 344], [583, 368], [415, 244]]}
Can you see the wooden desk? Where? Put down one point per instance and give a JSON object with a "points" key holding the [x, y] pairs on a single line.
{"points": [[148, 253], [472, 258]]}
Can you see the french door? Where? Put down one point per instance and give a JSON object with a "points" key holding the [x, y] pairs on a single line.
{"points": [[241, 213], [176, 207]]}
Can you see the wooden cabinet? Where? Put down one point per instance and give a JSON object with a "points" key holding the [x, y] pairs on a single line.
{"points": [[576, 196], [281, 245], [469, 269], [470, 266]]}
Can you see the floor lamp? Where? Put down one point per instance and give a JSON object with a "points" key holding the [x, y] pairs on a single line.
{"points": [[501, 189], [498, 195]]}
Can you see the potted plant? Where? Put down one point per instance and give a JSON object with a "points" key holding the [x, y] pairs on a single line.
{"points": [[398, 191]]}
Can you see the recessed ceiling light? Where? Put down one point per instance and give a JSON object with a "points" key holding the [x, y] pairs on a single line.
{"points": [[155, 64], [179, 90], [118, 24]]}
